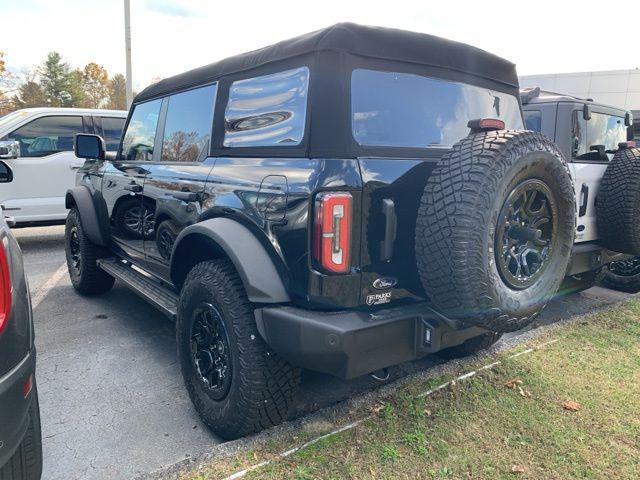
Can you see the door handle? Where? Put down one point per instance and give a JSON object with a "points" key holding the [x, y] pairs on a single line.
{"points": [[75, 167], [185, 196], [584, 194], [133, 187]]}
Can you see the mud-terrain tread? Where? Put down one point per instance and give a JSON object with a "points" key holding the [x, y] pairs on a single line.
{"points": [[93, 280], [454, 209], [26, 462], [471, 346], [618, 203], [265, 385]]}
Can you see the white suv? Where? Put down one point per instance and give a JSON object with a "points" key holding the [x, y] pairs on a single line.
{"points": [[37, 163]]}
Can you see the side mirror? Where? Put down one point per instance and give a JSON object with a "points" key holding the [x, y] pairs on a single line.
{"points": [[9, 149], [89, 146], [6, 175], [586, 112]]}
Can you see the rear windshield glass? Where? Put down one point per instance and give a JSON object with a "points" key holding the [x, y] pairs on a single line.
{"points": [[596, 139], [405, 110]]}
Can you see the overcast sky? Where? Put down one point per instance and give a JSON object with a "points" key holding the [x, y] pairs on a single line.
{"points": [[171, 36]]}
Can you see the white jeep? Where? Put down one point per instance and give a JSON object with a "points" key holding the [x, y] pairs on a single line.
{"points": [[597, 141]]}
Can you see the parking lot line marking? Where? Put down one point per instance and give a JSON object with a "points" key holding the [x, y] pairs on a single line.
{"points": [[349, 426], [53, 280]]}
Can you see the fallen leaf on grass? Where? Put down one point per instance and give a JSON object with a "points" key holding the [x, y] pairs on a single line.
{"points": [[518, 469], [524, 393], [513, 383], [571, 406]]}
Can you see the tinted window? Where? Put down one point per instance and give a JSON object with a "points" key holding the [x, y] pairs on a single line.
{"points": [[188, 126], [405, 110], [112, 131], [47, 135], [139, 137], [533, 120], [598, 137], [268, 110]]}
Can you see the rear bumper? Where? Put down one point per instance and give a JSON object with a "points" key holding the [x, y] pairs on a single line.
{"points": [[14, 407], [348, 344]]}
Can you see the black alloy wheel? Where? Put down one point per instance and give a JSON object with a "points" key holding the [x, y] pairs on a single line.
{"points": [[626, 268], [524, 234], [74, 250], [210, 352]]}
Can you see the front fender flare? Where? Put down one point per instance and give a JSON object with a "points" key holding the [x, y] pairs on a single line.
{"points": [[259, 274], [80, 197]]}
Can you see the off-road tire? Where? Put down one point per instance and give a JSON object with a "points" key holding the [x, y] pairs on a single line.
{"points": [[628, 282], [618, 203], [89, 279], [263, 385], [457, 222], [471, 346], [26, 462]]}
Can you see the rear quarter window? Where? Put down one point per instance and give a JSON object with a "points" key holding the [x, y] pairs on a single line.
{"points": [[406, 110], [269, 110]]}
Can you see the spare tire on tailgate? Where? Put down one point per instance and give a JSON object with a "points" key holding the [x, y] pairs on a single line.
{"points": [[618, 203], [495, 228]]}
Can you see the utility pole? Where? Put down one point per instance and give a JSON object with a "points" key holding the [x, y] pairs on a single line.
{"points": [[127, 43]]}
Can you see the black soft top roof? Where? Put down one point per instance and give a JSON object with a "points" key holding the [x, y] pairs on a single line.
{"points": [[372, 42]]}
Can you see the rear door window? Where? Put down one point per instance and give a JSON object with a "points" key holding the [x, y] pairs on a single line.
{"points": [[139, 138], [47, 135], [267, 111], [112, 132], [391, 109], [187, 130]]}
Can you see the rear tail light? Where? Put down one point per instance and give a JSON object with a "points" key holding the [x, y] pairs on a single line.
{"points": [[5, 288], [332, 231]]}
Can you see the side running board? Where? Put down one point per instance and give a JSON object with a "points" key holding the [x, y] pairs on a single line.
{"points": [[155, 292]]}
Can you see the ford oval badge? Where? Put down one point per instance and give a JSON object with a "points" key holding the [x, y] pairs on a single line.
{"points": [[383, 283]]}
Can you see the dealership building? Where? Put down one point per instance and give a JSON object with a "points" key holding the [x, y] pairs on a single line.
{"points": [[619, 88]]}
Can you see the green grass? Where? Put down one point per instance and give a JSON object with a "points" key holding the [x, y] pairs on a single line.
{"points": [[481, 428]]}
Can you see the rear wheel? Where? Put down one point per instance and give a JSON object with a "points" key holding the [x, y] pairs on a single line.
{"points": [[495, 229], [86, 277], [26, 463], [236, 383], [623, 276]]}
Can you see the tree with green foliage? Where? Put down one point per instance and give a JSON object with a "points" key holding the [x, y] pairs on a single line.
{"points": [[29, 95], [56, 81]]}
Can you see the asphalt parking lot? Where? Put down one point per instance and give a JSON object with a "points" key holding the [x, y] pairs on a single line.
{"points": [[111, 395]]}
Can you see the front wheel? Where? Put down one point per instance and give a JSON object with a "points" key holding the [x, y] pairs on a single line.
{"points": [[236, 382], [82, 255], [471, 346]]}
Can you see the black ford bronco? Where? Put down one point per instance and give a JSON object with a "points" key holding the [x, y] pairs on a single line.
{"points": [[590, 135], [342, 201]]}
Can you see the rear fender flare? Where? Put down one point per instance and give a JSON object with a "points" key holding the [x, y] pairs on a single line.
{"points": [[260, 277]]}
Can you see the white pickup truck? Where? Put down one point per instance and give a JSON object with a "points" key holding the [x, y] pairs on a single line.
{"points": [[37, 162]]}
